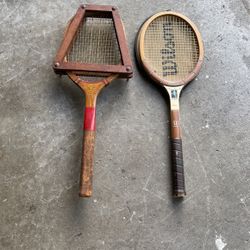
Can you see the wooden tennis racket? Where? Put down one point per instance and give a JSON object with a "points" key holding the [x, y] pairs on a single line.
{"points": [[170, 49], [93, 53]]}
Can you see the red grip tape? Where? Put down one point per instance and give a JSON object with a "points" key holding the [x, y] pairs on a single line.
{"points": [[89, 118]]}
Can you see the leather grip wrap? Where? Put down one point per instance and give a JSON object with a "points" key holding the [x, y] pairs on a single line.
{"points": [[178, 170]]}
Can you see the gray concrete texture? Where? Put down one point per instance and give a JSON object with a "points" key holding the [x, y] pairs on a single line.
{"points": [[131, 208]]}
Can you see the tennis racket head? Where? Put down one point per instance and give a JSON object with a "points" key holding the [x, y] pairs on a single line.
{"points": [[170, 49], [94, 44]]}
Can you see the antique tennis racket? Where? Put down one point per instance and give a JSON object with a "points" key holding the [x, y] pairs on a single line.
{"points": [[170, 49], [93, 53]]}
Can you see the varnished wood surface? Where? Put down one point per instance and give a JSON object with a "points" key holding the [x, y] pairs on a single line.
{"points": [[175, 124]]}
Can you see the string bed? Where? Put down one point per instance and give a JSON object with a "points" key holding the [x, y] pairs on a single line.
{"points": [[95, 43], [171, 47]]}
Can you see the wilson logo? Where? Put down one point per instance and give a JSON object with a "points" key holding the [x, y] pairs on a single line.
{"points": [[169, 66]]}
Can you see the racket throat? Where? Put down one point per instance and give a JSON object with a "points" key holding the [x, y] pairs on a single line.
{"points": [[174, 96], [91, 92]]}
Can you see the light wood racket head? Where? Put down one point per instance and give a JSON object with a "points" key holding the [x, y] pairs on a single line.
{"points": [[170, 48]]}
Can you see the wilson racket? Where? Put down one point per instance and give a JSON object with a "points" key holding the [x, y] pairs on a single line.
{"points": [[170, 49], [93, 53]]}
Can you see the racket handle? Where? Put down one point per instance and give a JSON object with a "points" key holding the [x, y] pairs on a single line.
{"points": [[88, 153], [87, 164], [178, 169], [177, 155], [176, 142]]}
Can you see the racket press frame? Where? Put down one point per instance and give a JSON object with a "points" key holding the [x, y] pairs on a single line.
{"points": [[61, 66]]}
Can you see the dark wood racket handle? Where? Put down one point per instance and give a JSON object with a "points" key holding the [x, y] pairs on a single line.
{"points": [[87, 164], [178, 169]]}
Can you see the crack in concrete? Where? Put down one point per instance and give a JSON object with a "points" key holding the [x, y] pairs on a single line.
{"points": [[246, 6]]}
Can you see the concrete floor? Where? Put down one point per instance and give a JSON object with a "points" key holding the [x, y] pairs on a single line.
{"points": [[41, 132]]}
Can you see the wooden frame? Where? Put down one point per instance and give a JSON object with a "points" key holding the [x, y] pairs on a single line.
{"points": [[141, 56], [61, 66]]}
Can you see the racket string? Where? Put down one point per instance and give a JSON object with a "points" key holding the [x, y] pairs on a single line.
{"points": [[171, 47], [95, 42]]}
